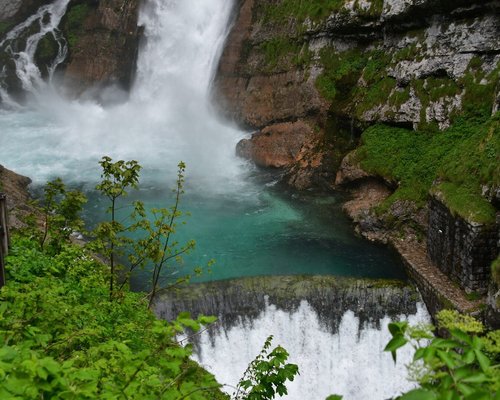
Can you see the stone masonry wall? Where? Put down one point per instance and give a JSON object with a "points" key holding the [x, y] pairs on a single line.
{"points": [[461, 249]]}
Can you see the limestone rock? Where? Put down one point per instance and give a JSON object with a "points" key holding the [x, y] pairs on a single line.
{"points": [[276, 145]]}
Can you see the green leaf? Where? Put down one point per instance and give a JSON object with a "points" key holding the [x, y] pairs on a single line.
{"points": [[484, 362], [395, 343], [419, 394], [447, 359]]}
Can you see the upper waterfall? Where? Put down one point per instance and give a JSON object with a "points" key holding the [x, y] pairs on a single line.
{"points": [[166, 118]]}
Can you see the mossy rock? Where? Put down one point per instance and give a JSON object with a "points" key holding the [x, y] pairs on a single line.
{"points": [[46, 52]]}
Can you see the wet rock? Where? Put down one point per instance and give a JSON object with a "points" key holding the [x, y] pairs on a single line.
{"points": [[15, 187], [276, 145], [104, 41], [329, 296]]}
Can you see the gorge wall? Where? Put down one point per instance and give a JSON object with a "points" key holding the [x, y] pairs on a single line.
{"points": [[419, 79], [344, 66]]}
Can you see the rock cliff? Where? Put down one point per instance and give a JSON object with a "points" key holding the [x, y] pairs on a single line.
{"points": [[99, 38], [103, 39], [18, 199], [423, 77], [342, 66]]}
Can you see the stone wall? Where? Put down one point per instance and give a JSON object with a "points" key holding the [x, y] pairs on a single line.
{"points": [[463, 250], [330, 297]]}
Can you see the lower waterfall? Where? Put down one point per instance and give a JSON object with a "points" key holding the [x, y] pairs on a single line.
{"points": [[350, 362]]}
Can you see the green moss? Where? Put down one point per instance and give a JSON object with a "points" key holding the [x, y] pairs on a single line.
{"points": [[47, 50], [74, 19], [5, 27], [466, 202], [341, 72], [375, 94], [480, 90], [282, 53], [300, 10], [495, 271], [464, 157]]}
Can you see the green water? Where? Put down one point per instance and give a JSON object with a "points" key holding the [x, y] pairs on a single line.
{"points": [[268, 230]]}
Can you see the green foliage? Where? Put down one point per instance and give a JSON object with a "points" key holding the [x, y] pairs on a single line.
{"points": [[341, 73], [60, 340], [464, 157], [266, 376], [61, 215], [154, 246], [463, 365]]}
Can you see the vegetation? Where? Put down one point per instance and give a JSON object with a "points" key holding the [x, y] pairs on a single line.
{"points": [[464, 157], [61, 339], [266, 375], [65, 333], [281, 53], [312, 10], [4, 27], [465, 364]]}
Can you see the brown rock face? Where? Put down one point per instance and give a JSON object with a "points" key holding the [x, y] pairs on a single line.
{"points": [[277, 145], [252, 95], [105, 48], [16, 188]]}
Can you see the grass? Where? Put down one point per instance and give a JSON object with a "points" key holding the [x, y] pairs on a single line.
{"points": [[464, 157]]}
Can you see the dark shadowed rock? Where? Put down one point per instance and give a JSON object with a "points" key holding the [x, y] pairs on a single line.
{"points": [[235, 299]]}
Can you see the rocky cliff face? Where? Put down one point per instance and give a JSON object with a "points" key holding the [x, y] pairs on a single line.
{"points": [[103, 41], [343, 66], [101, 38], [330, 297], [15, 187]]}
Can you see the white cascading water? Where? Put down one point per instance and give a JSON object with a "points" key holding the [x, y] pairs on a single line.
{"points": [[350, 363], [167, 118]]}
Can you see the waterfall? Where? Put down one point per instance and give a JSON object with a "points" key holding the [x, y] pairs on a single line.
{"points": [[167, 117], [349, 362]]}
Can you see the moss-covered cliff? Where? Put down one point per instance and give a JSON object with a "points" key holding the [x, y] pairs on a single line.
{"points": [[348, 64], [417, 81]]}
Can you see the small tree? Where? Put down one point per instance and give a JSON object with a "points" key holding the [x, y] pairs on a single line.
{"points": [[266, 376], [155, 247], [61, 210], [117, 177]]}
